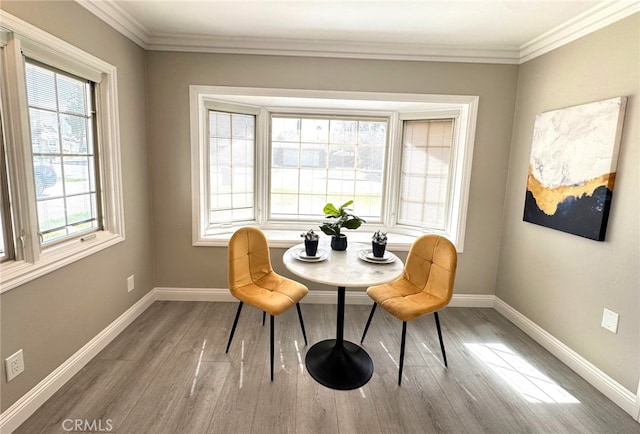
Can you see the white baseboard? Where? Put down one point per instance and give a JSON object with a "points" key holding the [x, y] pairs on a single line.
{"points": [[193, 294], [20, 411], [223, 294], [315, 296], [613, 390]]}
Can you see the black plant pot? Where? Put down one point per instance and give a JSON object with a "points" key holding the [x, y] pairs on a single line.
{"points": [[339, 242], [311, 247], [378, 249]]}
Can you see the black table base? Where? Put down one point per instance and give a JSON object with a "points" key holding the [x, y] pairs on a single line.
{"points": [[336, 363], [344, 366]]}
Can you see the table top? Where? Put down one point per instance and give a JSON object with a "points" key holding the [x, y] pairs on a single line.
{"points": [[342, 268]]}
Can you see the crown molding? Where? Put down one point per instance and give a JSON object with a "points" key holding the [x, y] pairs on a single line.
{"points": [[594, 19], [112, 14], [336, 49]]}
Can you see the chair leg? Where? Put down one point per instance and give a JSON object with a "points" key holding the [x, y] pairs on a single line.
{"points": [[402, 342], [373, 310], [264, 314], [271, 350], [233, 328], [444, 355], [304, 334]]}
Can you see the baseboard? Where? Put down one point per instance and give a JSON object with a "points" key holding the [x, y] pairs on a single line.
{"points": [[193, 294], [20, 411], [315, 296], [613, 390], [223, 295]]}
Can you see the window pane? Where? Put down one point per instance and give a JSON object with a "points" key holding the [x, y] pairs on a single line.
{"points": [[79, 175], [45, 137], [315, 130], [64, 162], [74, 134], [231, 167], [319, 160], [41, 87], [426, 165], [344, 131], [71, 96]]}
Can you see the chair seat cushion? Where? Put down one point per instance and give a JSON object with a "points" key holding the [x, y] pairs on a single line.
{"points": [[404, 300], [272, 293]]}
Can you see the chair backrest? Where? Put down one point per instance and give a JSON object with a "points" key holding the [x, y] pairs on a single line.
{"points": [[248, 257], [431, 265]]}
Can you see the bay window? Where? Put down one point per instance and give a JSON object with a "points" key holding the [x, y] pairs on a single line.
{"points": [[404, 160]]}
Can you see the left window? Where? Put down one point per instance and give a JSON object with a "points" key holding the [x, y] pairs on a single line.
{"points": [[61, 183], [62, 125]]}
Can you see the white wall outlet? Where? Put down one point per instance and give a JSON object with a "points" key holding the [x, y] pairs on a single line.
{"points": [[130, 283], [14, 365], [610, 320]]}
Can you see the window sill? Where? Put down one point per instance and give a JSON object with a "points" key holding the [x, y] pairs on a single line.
{"points": [[285, 239], [16, 273]]}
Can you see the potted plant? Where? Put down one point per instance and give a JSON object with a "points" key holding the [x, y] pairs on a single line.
{"points": [[379, 243], [310, 242], [338, 218]]}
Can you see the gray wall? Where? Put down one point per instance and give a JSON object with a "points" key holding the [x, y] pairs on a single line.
{"points": [[52, 317], [562, 282], [179, 264]]}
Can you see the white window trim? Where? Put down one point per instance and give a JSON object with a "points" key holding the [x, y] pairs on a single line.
{"points": [[33, 261], [396, 106]]}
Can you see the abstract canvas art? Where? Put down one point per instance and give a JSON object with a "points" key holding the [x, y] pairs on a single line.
{"points": [[572, 168]]}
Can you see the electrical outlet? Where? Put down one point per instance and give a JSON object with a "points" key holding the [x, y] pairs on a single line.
{"points": [[130, 283], [610, 320], [14, 365]]}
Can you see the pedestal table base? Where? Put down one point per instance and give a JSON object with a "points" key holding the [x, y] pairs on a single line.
{"points": [[341, 366]]}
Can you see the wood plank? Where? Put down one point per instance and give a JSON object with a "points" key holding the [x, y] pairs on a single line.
{"points": [[356, 411]]}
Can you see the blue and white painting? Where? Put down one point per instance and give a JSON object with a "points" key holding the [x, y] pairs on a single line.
{"points": [[572, 169]]}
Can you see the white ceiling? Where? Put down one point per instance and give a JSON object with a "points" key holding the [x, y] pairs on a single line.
{"points": [[505, 31]]}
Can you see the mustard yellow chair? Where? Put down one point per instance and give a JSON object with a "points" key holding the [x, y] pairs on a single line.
{"points": [[253, 281], [425, 286]]}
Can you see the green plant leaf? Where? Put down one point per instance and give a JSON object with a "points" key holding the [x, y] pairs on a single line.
{"points": [[353, 223], [327, 229], [330, 210], [346, 204]]}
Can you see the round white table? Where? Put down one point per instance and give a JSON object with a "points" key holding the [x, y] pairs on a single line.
{"points": [[337, 363]]}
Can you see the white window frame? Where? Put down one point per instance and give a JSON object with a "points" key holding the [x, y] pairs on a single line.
{"points": [[31, 259], [396, 107]]}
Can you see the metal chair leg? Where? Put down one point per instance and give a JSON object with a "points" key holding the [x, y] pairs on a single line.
{"points": [[264, 314], [233, 328], [444, 355], [271, 351], [304, 334], [402, 342], [373, 310]]}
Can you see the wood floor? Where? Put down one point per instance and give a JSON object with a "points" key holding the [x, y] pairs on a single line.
{"points": [[168, 373]]}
